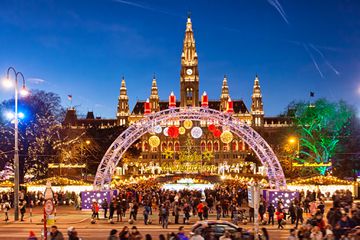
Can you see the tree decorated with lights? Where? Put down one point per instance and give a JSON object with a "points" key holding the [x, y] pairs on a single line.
{"points": [[319, 127], [38, 133]]}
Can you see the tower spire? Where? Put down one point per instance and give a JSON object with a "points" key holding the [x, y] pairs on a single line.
{"points": [[123, 104], [224, 97], [154, 97], [257, 110], [189, 75]]}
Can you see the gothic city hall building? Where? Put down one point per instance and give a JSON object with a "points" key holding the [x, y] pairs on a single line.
{"points": [[189, 96]]}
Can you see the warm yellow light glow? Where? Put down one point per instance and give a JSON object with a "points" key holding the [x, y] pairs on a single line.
{"points": [[87, 142], [226, 137], [188, 124], [154, 141], [182, 130], [292, 140]]}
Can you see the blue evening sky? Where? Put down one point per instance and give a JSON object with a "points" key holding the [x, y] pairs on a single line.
{"points": [[83, 48]]}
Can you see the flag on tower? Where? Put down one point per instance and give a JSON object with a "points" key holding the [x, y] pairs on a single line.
{"points": [[70, 97], [312, 94]]}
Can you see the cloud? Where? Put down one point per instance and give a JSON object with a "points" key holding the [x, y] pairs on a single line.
{"points": [[276, 4], [36, 80]]}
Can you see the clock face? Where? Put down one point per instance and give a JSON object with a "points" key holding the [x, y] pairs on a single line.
{"points": [[189, 71]]}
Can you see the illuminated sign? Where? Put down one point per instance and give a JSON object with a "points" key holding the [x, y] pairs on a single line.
{"points": [[62, 165], [312, 164]]}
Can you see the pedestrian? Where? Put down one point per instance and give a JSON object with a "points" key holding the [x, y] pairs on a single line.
{"points": [[32, 236], [200, 210], [148, 237], [72, 233], [271, 212], [205, 212], [95, 210], [292, 213], [146, 213], [6, 207], [164, 215], [55, 234], [112, 235], [176, 213], [226, 236], [119, 210], [135, 234], [280, 217], [105, 206], [265, 234], [218, 211], [292, 234], [316, 234], [299, 215], [124, 234], [197, 235], [22, 207], [181, 234]]}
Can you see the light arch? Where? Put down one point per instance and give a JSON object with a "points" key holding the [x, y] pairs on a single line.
{"points": [[253, 139]]}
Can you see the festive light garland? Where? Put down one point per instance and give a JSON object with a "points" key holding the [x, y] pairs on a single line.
{"points": [[217, 133], [157, 129], [57, 181], [226, 137], [182, 130], [188, 124], [212, 127], [154, 141], [196, 132], [322, 180], [166, 131], [173, 131]]}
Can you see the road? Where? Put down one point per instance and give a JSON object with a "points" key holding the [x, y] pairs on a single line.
{"points": [[67, 216]]}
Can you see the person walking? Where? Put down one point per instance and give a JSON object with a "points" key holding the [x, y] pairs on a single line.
{"points": [[112, 235], [119, 211], [32, 236], [6, 207], [164, 215], [124, 234], [105, 206], [135, 234], [299, 215], [181, 234], [55, 234], [279, 217], [200, 210], [271, 212], [22, 207]]}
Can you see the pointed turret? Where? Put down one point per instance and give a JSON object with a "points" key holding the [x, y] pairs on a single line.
{"points": [[224, 95], [123, 105], [257, 110], [189, 74], [154, 97]]}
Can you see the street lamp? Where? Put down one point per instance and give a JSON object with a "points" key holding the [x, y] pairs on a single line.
{"points": [[8, 84], [87, 142], [295, 140]]}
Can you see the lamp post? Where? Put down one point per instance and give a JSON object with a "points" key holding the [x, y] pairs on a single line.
{"points": [[23, 92], [293, 140]]}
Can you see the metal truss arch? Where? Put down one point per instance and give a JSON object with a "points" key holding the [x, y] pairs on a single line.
{"points": [[261, 148]]}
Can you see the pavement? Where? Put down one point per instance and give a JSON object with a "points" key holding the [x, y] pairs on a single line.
{"points": [[67, 216]]}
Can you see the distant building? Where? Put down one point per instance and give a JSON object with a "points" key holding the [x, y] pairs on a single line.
{"points": [[189, 97]]}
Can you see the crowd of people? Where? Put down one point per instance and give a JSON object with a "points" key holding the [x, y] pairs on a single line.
{"points": [[308, 215]]}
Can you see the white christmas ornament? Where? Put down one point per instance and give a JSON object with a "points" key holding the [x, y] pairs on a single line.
{"points": [[196, 132]]}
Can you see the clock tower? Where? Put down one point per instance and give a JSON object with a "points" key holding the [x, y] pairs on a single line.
{"points": [[189, 74]]}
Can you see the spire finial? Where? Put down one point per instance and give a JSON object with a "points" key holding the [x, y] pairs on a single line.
{"points": [[154, 75], [123, 77], [189, 14]]}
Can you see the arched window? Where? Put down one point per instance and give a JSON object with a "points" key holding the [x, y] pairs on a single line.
{"points": [[209, 146], [170, 146], [146, 146], [177, 146], [202, 146], [234, 145], [163, 146], [216, 146]]}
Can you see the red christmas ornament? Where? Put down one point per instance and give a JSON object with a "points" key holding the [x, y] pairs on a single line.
{"points": [[217, 132], [212, 127], [173, 131]]}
